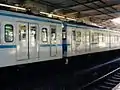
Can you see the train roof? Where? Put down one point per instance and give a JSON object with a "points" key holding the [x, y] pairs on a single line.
{"points": [[47, 19], [28, 16], [84, 24], [26, 12]]}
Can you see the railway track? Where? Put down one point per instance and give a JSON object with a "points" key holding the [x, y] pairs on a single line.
{"points": [[106, 82]]}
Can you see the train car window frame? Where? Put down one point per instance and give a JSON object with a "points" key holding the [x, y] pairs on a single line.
{"points": [[53, 32], [22, 32], [5, 31], [101, 37], [95, 38], [74, 35], [44, 34], [33, 30], [87, 37], [64, 33], [117, 38], [78, 36]]}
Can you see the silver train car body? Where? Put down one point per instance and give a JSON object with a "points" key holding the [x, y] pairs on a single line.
{"points": [[82, 39], [27, 39]]}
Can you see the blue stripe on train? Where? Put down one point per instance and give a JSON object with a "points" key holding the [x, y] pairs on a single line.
{"points": [[48, 45], [7, 46], [44, 45]]}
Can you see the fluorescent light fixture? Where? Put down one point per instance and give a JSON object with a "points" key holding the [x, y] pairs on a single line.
{"points": [[58, 16], [50, 15], [44, 13], [71, 19], [10, 6]]}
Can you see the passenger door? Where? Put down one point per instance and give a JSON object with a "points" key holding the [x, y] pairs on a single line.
{"points": [[22, 41], [53, 41], [73, 41], [33, 37], [79, 42], [44, 42], [27, 41]]}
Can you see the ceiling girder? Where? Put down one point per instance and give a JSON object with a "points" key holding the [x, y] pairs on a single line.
{"points": [[70, 6], [107, 5], [99, 7], [103, 8], [93, 8], [54, 5], [78, 3]]}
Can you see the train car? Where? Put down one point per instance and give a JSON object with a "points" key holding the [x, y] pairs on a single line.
{"points": [[99, 40], [27, 38], [76, 40], [85, 39], [114, 39]]}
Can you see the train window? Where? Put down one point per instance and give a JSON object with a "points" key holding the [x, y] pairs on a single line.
{"points": [[64, 32], [101, 37], [9, 33], [53, 33], [44, 35], [78, 36], [22, 32], [64, 35], [95, 38], [117, 38], [33, 32], [74, 35], [112, 39], [87, 37]]}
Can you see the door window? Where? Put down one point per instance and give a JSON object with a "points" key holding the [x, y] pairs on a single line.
{"points": [[33, 32], [74, 35], [53, 33], [44, 35], [53, 46], [22, 32], [101, 37], [9, 33], [78, 36], [95, 38]]}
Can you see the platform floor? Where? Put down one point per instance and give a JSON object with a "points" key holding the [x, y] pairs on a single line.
{"points": [[117, 87]]}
